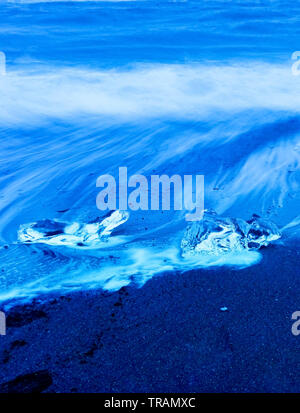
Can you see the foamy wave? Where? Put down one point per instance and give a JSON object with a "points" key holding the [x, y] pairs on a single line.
{"points": [[112, 270], [154, 91]]}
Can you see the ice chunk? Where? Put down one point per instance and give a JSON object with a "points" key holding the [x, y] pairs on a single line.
{"points": [[261, 232], [71, 234], [215, 235]]}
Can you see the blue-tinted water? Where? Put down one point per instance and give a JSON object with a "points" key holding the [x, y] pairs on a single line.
{"points": [[194, 87]]}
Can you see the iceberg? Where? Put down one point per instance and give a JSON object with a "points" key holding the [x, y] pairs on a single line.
{"points": [[75, 234], [216, 235]]}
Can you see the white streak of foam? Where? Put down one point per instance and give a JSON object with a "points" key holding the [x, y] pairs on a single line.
{"points": [[188, 91], [270, 172], [137, 265]]}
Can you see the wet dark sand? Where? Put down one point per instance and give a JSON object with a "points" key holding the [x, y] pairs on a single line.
{"points": [[168, 336]]}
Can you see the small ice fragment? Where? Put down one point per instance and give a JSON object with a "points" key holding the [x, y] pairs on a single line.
{"points": [[261, 232], [71, 234], [113, 221], [215, 235], [223, 308]]}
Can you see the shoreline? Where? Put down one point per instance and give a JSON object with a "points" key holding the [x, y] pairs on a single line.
{"points": [[213, 330]]}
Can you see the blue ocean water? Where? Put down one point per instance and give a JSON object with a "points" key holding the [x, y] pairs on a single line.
{"points": [[161, 87]]}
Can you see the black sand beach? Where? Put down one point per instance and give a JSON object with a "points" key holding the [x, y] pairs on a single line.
{"points": [[168, 336]]}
